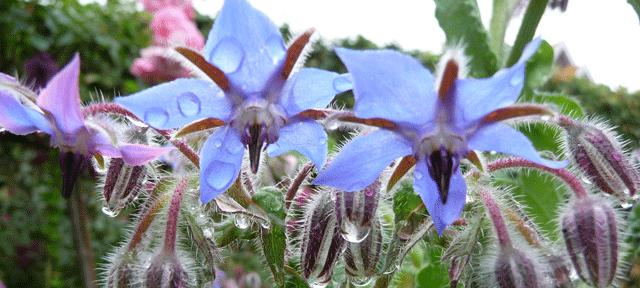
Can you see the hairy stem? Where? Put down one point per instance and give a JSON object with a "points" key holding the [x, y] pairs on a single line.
{"points": [[572, 181], [145, 221], [82, 238], [496, 217], [172, 218], [532, 17], [295, 185], [117, 109]]}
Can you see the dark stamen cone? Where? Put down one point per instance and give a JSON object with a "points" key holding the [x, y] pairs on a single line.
{"points": [[72, 165], [255, 140], [442, 164], [591, 237]]}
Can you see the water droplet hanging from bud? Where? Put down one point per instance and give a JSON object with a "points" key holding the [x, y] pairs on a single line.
{"points": [[356, 212], [241, 221], [591, 237]]}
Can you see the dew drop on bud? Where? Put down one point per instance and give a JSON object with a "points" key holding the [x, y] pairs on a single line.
{"points": [[352, 233], [241, 221], [208, 233], [265, 224], [545, 117], [318, 284], [361, 281], [626, 205], [109, 212]]}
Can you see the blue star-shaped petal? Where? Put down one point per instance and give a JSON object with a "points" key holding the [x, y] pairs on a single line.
{"points": [[254, 94], [436, 126]]}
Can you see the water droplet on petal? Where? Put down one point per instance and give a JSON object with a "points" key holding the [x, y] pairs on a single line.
{"points": [[418, 175], [227, 55], [342, 83], [322, 141], [109, 212], [220, 174], [275, 48], [353, 233], [332, 124], [217, 143], [156, 117], [188, 104], [517, 79], [241, 221]]}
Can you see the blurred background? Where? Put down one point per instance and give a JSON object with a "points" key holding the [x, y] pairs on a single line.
{"points": [[122, 52]]}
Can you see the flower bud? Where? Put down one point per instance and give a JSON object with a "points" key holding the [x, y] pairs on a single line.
{"points": [[122, 184], [355, 212], [597, 151], [361, 259], [121, 273], [514, 268], [591, 237], [166, 271], [321, 242]]}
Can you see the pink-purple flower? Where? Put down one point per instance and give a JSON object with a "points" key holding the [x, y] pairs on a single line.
{"points": [[57, 112]]}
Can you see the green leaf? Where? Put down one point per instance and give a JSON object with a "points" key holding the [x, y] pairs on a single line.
{"points": [[435, 273], [567, 104], [405, 201], [636, 6], [542, 196], [271, 200], [461, 23], [539, 67]]}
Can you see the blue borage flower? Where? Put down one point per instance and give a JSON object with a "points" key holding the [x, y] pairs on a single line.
{"points": [[255, 97], [434, 129], [57, 111]]}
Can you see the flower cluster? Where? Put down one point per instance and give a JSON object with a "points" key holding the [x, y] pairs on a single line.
{"points": [[172, 25], [252, 96]]}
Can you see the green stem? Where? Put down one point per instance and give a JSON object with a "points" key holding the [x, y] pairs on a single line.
{"points": [[498, 27], [82, 238], [532, 17]]}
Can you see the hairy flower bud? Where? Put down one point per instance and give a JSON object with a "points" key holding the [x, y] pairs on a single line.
{"points": [[361, 259], [121, 273], [356, 212], [321, 242], [122, 184], [601, 157], [514, 268], [166, 272], [591, 237]]}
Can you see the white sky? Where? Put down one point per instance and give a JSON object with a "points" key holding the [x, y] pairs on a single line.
{"points": [[602, 36]]}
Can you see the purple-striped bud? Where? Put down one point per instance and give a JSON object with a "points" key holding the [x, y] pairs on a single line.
{"points": [[166, 271], [601, 157], [591, 237], [362, 259], [321, 243], [514, 268], [122, 184], [122, 272], [356, 212]]}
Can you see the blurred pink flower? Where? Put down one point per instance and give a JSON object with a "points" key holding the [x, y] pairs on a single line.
{"points": [[156, 5], [155, 67], [171, 28]]}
